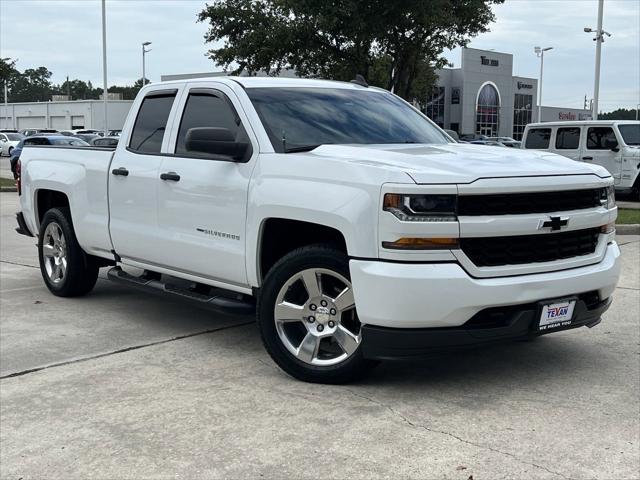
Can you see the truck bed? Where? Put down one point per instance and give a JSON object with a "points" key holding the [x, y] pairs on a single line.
{"points": [[78, 172]]}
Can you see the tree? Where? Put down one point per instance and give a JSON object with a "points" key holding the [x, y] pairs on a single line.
{"points": [[619, 114], [33, 85], [8, 73], [393, 44], [128, 92], [77, 89]]}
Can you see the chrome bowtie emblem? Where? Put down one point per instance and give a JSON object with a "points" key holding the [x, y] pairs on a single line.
{"points": [[554, 223]]}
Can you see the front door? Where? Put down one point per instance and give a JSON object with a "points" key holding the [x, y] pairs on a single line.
{"points": [[134, 178], [202, 203], [597, 150]]}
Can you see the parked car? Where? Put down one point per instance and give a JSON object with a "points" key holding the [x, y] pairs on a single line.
{"points": [[338, 213], [114, 133], [506, 141], [487, 142], [70, 133], [8, 142], [43, 140], [105, 141], [453, 134], [469, 137], [612, 144], [27, 132], [87, 137]]}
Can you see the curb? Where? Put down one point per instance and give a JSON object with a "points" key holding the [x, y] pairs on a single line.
{"points": [[628, 229]]}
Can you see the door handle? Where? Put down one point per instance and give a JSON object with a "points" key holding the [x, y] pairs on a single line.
{"points": [[587, 158], [120, 171], [173, 176]]}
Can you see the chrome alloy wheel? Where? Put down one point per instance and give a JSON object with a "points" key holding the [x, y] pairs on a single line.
{"points": [[54, 253], [316, 319]]}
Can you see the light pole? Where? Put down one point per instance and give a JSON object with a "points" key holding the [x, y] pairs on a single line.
{"points": [[540, 53], [600, 33], [144, 51], [104, 65], [6, 105]]}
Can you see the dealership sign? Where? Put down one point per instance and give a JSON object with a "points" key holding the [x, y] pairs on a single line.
{"points": [[522, 85], [492, 62]]}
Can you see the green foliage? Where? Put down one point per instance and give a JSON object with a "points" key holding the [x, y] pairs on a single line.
{"points": [[619, 114], [34, 85], [391, 43]]}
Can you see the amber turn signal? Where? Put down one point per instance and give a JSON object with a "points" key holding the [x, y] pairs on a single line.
{"points": [[422, 243], [608, 228]]}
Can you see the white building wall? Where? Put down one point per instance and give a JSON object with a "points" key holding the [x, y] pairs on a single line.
{"points": [[64, 115]]}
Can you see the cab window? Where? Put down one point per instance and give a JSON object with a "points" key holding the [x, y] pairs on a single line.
{"points": [[568, 138], [208, 108], [151, 122], [538, 138], [598, 137]]}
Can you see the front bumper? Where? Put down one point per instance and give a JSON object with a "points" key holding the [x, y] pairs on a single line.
{"points": [[488, 327], [444, 295]]}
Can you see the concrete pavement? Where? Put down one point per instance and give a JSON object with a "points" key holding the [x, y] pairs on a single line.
{"points": [[119, 384]]}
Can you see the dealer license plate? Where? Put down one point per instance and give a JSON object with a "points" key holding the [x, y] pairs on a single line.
{"points": [[558, 314]]}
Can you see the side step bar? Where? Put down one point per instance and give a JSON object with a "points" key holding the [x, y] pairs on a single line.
{"points": [[216, 302]]}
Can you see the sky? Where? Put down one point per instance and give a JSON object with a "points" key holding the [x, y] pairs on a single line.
{"points": [[65, 36]]}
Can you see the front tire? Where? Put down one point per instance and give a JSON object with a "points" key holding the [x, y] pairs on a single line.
{"points": [[66, 269], [307, 317]]}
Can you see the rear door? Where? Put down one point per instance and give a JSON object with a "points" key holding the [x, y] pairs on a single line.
{"points": [[596, 150], [567, 142], [134, 177], [202, 204]]}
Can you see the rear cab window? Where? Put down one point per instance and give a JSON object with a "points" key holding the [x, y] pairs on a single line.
{"points": [[568, 138], [597, 137], [151, 122], [538, 138]]}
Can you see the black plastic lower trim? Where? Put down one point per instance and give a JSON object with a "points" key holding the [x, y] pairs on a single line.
{"points": [[22, 228], [520, 322]]}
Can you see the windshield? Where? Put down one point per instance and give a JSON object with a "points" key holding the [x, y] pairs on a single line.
{"points": [[302, 118], [14, 137], [630, 134]]}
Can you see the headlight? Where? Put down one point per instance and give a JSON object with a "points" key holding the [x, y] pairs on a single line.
{"points": [[421, 208], [608, 197]]}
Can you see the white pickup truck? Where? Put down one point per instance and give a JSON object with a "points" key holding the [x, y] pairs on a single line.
{"points": [[353, 226]]}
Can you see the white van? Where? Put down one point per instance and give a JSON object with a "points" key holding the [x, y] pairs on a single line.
{"points": [[614, 144]]}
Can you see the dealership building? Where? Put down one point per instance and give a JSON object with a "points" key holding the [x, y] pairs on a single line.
{"points": [[483, 96], [64, 114]]}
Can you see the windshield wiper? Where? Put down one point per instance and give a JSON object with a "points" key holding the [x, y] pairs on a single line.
{"points": [[302, 148]]}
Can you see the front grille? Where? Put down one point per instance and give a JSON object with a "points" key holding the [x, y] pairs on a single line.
{"points": [[496, 251], [522, 203]]}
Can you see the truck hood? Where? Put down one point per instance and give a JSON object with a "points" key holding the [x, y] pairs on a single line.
{"points": [[458, 162]]}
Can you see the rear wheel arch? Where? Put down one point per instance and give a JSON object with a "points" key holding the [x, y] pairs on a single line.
{"points": [[46, 199]]}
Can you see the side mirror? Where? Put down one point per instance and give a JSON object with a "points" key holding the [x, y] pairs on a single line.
{"points": [[215, 141], [612, 144]]}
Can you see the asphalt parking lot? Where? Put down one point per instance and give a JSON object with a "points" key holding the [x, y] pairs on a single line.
{"points": [[123, 385]]}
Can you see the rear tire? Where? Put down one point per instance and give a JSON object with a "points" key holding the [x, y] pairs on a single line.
{"points": [[66, 269], [307, 317]]}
